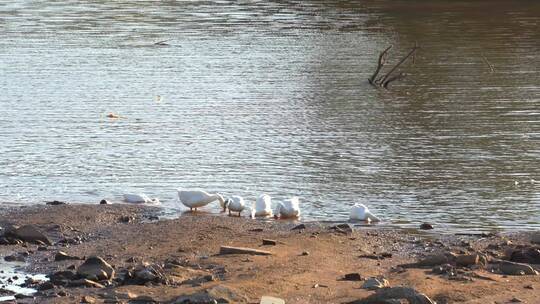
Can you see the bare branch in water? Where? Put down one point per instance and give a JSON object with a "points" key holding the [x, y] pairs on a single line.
{"points": [[382, 60], [385, 80], [491, 69]]}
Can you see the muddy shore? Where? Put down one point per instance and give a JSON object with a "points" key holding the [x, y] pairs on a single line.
{"points": [[159, 260]]}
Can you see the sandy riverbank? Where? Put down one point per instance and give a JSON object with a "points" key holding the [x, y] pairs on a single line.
{"points": [[304, 266]]}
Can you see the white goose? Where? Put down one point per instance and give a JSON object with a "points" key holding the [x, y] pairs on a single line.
{"points": [[289, 208], [235, 204], [262, 207], [140, 198], [359, 212], [197, 198]]}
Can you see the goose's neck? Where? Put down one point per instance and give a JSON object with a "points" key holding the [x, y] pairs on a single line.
{"points": [[219, 198]]}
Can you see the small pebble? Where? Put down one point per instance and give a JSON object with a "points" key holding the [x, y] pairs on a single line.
{"points": [[305, 253]]}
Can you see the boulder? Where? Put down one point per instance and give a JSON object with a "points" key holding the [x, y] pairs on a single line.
{"points": [[375, 283], [512, 268], [29, 233], [62, 277], [96, 268], [529, 255]]}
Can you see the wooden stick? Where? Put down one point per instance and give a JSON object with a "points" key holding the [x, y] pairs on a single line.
{"points": [[382, 60], [413, 50], [488, 64]]}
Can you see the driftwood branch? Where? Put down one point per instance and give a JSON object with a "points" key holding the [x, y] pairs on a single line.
{"points": [[382, 60], [491, 69], [385, 80]]}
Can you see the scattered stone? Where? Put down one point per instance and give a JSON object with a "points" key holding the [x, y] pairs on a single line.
{"points": [[45, 286], [55, 203], [126, 219], [14, 258], [426, 226], [375, 283], [269, 242], [512, 268], [342, 228], [529, 286], [304, 253], [256, 230], [104, 202], [88, 300], [62, 293], [385, 295], [96, 267], [29, 233], [355, 276], [516, 300], [42, 248], [85, 283], [62, 256], [467, 260], [299, 227], [271, 300], [242, 250], [198, 281], [143, 300]]}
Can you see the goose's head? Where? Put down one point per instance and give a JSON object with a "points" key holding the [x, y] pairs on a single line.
{"points": [[226, 204]]}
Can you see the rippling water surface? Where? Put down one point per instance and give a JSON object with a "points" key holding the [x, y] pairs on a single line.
{"points": [[271, 96]]}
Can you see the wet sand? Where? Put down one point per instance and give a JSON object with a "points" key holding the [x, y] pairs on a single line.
{"points": [[305, 265]]}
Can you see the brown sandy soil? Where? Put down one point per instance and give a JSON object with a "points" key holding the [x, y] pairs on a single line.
{"points": [[301, 259]]}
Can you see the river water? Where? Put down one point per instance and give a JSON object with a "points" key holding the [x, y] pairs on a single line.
{"points": [[271, 96]]}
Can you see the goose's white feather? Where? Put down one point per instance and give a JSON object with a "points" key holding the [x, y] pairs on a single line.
{"points": [[289, 208], [359, 212], [263, 206], [198, 198], [140, 198], [236, 204]]}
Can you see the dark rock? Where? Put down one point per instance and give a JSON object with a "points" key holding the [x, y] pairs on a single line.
{"points": [[14, 258], [45, 286], [529, 255], [55, 203], [269, 242], [342, 228], [62, 256], [96, 268], [426, 226], [62, 293], [512, 268], [305, 253], [516, 300], [355, 276], [42, 248], [126, 219], [198, 281], [29, 233], [62, 277], [299, 227], [104, 202]]}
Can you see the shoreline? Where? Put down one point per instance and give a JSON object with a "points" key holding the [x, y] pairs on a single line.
{"points": [[304, 265]]}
